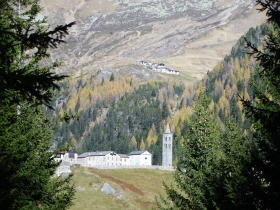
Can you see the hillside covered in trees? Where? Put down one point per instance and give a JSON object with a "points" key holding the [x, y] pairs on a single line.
{"points": [[123, 114]]}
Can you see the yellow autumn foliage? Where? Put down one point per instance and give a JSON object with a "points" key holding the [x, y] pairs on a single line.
{"points": [[133, 143], [152, 136], [142, 145]]}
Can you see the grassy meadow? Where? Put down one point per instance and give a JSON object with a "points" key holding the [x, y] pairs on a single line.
{"points": [[137, 187]]}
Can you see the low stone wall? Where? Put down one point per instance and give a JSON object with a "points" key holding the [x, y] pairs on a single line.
{"points": [[65, 164], [169, 168], [63, 169]]}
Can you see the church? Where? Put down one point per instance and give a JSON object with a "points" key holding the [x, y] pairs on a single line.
{"points": [[110, 158], [167, 140]]}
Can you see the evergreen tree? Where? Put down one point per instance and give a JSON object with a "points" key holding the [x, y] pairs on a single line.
{"points": [[213, 172], [94, 114], [27, 166], [196, 176], [264, 111], [236, 180], [112, 77], [165, 110], [24, 41]]}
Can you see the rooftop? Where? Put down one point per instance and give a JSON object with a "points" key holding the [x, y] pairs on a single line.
{"points": [[139, 152], [167, 129], [98, 153]]}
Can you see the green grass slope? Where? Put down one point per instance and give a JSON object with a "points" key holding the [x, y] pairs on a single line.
{"points": [[138, 188]]}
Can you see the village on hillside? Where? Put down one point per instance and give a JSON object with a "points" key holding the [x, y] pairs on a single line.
{"points": [[106, 158], [159, 67], [110, 159]]}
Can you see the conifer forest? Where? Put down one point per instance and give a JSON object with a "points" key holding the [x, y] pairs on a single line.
{"points": [[226, 126]]}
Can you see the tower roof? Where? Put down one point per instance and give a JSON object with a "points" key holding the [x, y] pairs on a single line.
{"points": [[167, 129]]}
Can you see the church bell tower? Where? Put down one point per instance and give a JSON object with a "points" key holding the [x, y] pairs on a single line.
{"points": [[167, 139]]}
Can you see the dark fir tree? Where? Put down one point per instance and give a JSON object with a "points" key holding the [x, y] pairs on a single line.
{"points": [[264, 111], [235, 178], [27, 165], [196, 175], [112, 77], [24, 41], [213, 170], [165, 110]]}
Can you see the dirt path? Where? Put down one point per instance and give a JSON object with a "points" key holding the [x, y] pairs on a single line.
{"points": [[124, 185]]}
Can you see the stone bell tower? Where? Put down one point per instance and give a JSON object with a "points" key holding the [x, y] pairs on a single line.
{"points": [[167, 139]]}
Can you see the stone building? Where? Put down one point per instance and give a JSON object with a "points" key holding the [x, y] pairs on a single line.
{"points": [[142, 157], [167, 139], [110, 158]]}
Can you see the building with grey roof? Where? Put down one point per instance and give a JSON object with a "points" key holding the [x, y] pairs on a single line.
{"points": [[141, 157]]}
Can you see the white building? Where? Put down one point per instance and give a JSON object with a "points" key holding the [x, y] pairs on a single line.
{"points": [[159, 67], [67, 156], [124, 160], [90, 159], [167, 140], [110, 158], [141, 157], [102, 158]]}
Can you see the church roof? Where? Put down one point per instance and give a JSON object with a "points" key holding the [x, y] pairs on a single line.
{"points": [[123, 155], [167, 129], [139, 152], [98, 153]]}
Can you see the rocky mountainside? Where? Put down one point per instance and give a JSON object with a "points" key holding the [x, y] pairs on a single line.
{"points": [[188, 35]]}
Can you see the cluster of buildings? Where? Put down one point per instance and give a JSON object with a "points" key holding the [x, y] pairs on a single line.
{"points": [[159, 67], [110, 158], [106, 158]]}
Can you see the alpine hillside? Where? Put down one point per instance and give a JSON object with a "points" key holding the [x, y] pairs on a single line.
{"points": [[187, 35]]}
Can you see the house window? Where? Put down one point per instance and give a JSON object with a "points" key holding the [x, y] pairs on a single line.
{"points": [[165, 146], [145, 158], [124, 160], [169, 138], [169, 146]]}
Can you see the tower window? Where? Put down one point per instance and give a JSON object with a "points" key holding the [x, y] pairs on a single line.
{"points": [[169, 138]]}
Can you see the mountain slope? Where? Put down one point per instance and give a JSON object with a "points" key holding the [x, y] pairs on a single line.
{"points": [[112, 34], [123, 114]]}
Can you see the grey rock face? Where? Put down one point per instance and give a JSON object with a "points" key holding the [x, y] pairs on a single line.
{"points": [[108, 190], [121, 196]]}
